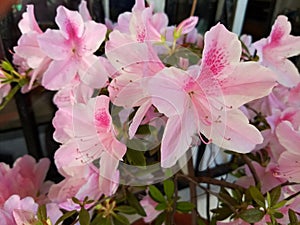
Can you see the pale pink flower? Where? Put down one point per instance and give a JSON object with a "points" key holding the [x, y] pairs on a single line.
{"points": [[84, 12], [267, 177], [289, 137], [206, 99], [85, 183], [71, 48], [274, 51], [26, 178], [28, 53], [138, 25], [149, 206], [186, 26]]}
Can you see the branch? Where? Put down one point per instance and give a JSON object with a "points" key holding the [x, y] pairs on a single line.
{"points": [[251, 167]]}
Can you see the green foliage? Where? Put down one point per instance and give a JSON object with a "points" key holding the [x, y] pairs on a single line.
{"points": [[252, 215], [133, 202], [65, 216], [169, 188], [84, 217], [156, 195]]}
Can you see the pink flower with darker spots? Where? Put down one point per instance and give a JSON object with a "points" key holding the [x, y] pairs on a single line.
{"points": [[71, 48], [206, 99], [275, 50]]}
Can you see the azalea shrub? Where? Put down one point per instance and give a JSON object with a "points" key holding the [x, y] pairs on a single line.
{"points": [[134, 101]]}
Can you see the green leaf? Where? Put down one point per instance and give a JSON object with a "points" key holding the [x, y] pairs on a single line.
{"points": [[160, 219], [293, 217], [184, 206], [144, 129], [132, 201], [135, 158], [257, 196], [84, 217], [222, 213], [156, 194], [169, 188], [42, 213], [161, 206], [65, 216], [280, 204], [275, 195], [75, 200], [6, 65], [126, 209], [99, 219], [251, 215], [278, 215], [121, 219]]}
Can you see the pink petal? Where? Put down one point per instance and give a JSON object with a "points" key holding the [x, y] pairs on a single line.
{"points": [[28, 23], [102, 118], [59, 74], [93, 36], [233, 132], [187, 25], [238, 88], [92, 72], [84, 12], [222, 48], [54, 44], [69, 22], [288, 137], [138, 117]]}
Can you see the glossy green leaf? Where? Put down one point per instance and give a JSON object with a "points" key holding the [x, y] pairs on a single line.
{"points": [[280, 204], [275, 195], [184, 206], [293, 217], [132, 201], [169, 188], [161, 206], [257, 196], [84, 217], [160, 219], [99, 219], [126, 209], [156, 194], [252, 215], [135, 158], [65, 216], [120, 219]]}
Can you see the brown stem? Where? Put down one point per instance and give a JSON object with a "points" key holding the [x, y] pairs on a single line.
{"points": [[193, 191], [193, 7], [209, 180], [251, 167], [211, 192]]}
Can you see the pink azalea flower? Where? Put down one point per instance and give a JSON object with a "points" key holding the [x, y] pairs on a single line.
{"points": [[138, 25], [84, 12], [71, 48], [274, 51], [28, 53], [267, 176], [289, 137], [186, 26], [4, 88], [206, 99], [84, 183], [26, 178], [17, 211], [149, 206]]}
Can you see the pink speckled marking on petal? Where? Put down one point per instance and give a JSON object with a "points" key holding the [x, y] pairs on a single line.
{"points": [[216, 60], [102, 118]]}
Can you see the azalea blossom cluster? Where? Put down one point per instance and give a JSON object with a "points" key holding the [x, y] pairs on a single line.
{"points": [[105, 96]]}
